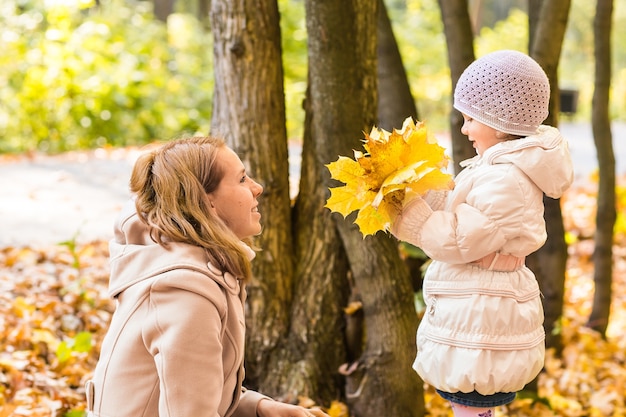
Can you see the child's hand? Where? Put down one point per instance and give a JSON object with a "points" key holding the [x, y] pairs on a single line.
{"points": [[409, 195], [394, 203]]}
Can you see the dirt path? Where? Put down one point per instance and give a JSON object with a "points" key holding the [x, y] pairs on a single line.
{"points": [[46, 200]]}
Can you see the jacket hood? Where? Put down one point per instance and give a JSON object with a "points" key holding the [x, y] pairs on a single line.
{"points": [[135, 257], [543, 157]]}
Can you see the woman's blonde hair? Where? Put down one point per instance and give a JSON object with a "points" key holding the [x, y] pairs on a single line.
{"points": [[170, 185]]}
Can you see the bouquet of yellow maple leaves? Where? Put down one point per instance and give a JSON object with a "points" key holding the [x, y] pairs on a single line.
{"points": [[376, 181]]}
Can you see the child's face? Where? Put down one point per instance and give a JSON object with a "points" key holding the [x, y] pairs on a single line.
{"points": [[482, 136]]}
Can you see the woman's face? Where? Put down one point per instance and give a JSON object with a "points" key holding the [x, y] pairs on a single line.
{"points": [[482, 136], [235, 198]]}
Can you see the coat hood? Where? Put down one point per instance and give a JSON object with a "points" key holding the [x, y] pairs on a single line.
{"points": [[135, 257], [543, 157]]}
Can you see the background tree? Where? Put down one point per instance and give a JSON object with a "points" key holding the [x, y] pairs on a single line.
{"points": [[249, 112], [380, 381], [204, 8], [395, 101], [549, 263], [296, 349], [395, 104], [460, 45], [163, 8], [605, 211], [312, 349]]}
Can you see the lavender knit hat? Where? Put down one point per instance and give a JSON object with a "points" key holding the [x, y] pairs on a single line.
{"points": [[506, 90]]}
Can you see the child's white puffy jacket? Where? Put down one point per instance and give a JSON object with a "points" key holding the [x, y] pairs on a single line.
{"points": [[483, 327]]}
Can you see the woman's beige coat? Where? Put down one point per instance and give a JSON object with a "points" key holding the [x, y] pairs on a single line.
{"points": [[175, 346]]}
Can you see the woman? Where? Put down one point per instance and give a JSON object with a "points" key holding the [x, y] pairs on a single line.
{"points": [[179, 264]]}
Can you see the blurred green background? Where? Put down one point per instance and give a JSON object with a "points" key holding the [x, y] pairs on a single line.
{"points": [[75, 76]]}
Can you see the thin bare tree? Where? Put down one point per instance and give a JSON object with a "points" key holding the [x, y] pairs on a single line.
{"points": [[395, 101], [601, 126], [163, 8], [549, 263], [459, 40]]}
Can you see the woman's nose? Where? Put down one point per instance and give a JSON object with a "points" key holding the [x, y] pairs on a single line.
{"points": [[257, 188]]}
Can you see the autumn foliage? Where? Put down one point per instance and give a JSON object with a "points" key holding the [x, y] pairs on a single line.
{"points": [[377, 180], [55, 309]]}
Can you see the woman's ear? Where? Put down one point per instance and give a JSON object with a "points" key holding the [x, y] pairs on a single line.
{"points": [[209, 200]]}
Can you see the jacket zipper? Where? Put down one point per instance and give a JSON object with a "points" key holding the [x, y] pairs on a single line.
{"points": [[433, 305]]}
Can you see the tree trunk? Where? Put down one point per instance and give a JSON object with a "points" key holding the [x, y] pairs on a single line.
{"points": [[381, 381], [534, 11], [549, 263], [601, 125], [204, 8], [395, 101], [340, 106], [459, 39], [395, 104], [163, 8], [249, 112]]}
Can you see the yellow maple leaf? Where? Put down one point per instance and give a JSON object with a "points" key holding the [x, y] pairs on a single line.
{"points": [[338, 409], [376, 180]]}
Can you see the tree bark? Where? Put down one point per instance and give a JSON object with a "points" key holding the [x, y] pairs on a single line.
{"points": [[380, 382], [549, 263], [249, 112], [606, 212], [395, 101], [459, 39]]}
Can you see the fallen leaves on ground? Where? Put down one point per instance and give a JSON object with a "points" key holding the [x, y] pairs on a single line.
{"points": [[54, 311]]}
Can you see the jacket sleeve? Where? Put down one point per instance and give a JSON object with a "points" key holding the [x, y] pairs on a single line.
{"points": [[494, 211], [182, 333], [409, 223], [436, 199], [248, 403]]}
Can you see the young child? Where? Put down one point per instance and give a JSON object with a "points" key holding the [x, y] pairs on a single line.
{"points": [[481, 339]]}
